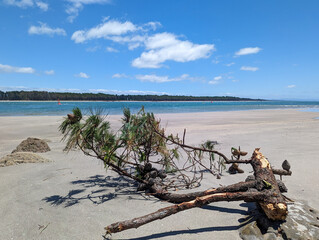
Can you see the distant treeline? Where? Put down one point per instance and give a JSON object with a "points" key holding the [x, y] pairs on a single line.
{"points": [[54, 96]]}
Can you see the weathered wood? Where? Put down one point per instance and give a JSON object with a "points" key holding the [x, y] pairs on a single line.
{"points": [[198, 202], [274, 205], [268, 196], [281, 172], [179, 198]]}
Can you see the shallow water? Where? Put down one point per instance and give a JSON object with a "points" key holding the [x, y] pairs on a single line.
{"points": [[52, 108]]}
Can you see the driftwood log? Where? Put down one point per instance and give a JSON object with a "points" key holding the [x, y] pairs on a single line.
{"points": [[266, 193]]}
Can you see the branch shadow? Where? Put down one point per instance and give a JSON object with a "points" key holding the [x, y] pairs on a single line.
{"points": [[178, 233], [101, 189], [249, 217]]}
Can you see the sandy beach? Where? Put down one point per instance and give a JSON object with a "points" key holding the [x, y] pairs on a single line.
{"points": [[73, 197]]}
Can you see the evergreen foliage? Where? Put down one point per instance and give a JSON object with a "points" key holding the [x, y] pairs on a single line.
{"points": [[139, 147], [65, 96]]}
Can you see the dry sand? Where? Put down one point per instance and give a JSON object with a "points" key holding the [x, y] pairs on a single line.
{"points": [[72, 197]]}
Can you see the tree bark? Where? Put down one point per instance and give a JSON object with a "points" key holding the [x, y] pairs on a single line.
{"points": [[179, 198], [198, 202], [274, 205], [281, 172]]}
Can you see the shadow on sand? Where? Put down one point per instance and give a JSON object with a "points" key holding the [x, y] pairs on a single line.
{"points": [[98, 189], [179, 233]]}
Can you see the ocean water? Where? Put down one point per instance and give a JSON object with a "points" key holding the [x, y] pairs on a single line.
{"points": [[53, 109]]}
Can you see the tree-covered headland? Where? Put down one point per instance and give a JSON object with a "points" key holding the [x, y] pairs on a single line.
{"points": [[70, 96]]}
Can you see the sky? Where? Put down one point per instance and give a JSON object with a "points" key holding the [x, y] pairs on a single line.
{"points": [[250, 48]]}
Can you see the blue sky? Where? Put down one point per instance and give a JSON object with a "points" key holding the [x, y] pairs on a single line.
{"points": [[259, 49]]}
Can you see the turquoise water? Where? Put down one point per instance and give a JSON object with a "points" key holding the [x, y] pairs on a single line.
{"points": [[52, 108]]}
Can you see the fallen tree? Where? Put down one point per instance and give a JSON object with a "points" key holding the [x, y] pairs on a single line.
{"points": [[141, 150]]}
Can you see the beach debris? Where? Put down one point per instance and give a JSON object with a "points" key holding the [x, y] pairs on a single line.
{"points": [[35, 145], [43, 227], [21, 157], [157, 162], [267, 195]]}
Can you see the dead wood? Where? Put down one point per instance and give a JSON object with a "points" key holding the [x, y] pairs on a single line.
{"points": [[281, 172], [267, 195], [274, 205], [198, 202], [179, 198]]}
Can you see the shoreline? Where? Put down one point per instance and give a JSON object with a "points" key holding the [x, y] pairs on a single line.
{"points": [[304, 109]]}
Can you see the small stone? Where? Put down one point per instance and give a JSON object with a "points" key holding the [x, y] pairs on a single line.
{"points": [[232, 170], [162, 174], [282, 186], [151, 181], [286, 165], [148, 167]]}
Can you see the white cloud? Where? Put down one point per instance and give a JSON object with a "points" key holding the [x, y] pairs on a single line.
{"points": [[249, 50], [110, 49], [42, 5], [129, 92], [12, 69], [165, 46], [215, 80], [247, 68], [291, 86], [44, 29], [82, 75], [120, 75], [104, 30], [75, 6], [229, 64], [28, 3], [161, 79], [49, 72], [133, 41], [132, 46], [151, 26]]}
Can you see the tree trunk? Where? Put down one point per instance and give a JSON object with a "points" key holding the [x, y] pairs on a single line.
{"points": [[274, 205]]}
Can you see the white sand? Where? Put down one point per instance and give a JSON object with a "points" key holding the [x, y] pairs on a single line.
{"points": [[74, 198]]}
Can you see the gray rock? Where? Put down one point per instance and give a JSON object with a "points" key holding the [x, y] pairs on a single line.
{"points": [[153, 174], [162, 174], [148, 167], [282, 186], [286, 165], [301, 223]]}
